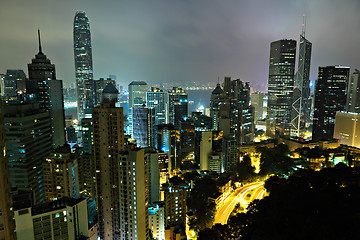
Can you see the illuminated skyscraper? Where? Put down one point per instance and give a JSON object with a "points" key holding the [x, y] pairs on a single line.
{"points": [[330, 97], [280, 87], [49, 92], [159, 100], [137, 93], [178, 108], [301, 106], [353, 93], [83, 64]]}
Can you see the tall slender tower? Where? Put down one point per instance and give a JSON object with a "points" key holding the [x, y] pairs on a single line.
{"points": [[280, 87], [49, 93], [83, 64], [108, 141], [301, 106]]}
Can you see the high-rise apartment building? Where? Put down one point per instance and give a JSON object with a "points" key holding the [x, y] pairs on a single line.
{"points": [[205, 149], [330, 97], [137, 94], [159, 100], [175, 202], [157, 220], [28, 140], [7, 224], [83, 64], [301, 103], [133, 194], [280, 87], [66, 218], [178, 106], [153, 175], [353, 93], [49, 92], [108, 141], [60, 175]]}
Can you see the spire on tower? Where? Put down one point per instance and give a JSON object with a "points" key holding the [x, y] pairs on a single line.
{"points": [[303, 26], [40, 49]]}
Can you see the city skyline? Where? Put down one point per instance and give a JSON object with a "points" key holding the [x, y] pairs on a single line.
{"points": [[179, 42]]}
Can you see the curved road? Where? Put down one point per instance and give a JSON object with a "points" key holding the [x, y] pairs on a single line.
{"points": [[256, 190]]}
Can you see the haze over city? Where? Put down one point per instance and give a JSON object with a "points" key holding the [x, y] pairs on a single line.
{"points": [[181, 41]]}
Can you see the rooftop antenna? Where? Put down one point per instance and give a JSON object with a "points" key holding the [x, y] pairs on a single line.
{"points": [[40, 49], [303, 28]]}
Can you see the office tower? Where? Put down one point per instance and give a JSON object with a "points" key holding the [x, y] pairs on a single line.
{"points": [[202, 122], [257, 102], [7, 224], [159, 100], [353, 93], [330, 97], [215, 163], [28, 140], [83, 64], [301, 106], [280, 87], [205, 149], [168, 142], [49, 93], [66, 218], [60, 175], [175, 202], [108, 141], [143, 126], [219, 106], [241, 114], [157, 220], [347, 127], [187, 141], [178, 106], [11, 79], [153, 175], [133, 194], [99, 86], [137, 94]]}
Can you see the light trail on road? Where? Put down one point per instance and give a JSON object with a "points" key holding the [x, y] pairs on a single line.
{"points": [[239, 195]]}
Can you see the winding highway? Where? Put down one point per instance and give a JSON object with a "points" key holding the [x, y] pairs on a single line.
{"points": [[243, 195]]}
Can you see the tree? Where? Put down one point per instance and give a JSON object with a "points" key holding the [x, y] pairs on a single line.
{"points": [[244, 170], [202, 203], [306, 205]]}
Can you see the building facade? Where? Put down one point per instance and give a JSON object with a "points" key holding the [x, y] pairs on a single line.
{"points": [[83, 64], [108, 141], [280, 87], [178, 106], [330, 97], [159, 100], [353, 93]]}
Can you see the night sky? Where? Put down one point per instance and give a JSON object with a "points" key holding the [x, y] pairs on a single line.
{"points": [[179, 40]]}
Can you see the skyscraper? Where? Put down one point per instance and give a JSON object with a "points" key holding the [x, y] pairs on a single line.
{"points": [[353, 93], [330, 97], [280, 87], [178, 106], [301, 106], [108, 141], [219, 106], [143, 127], [133, 194], [159, 100], [83, 64], [7, 224], [137, 93], [49, 92], [28, 140]]}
